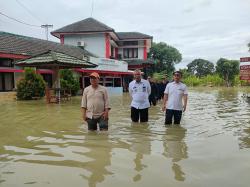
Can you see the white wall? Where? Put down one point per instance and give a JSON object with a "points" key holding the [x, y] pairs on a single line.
{"points": [[94, 43], [140, 53]]}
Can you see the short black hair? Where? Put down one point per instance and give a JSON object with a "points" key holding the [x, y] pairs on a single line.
{"points": [[179, 72]]}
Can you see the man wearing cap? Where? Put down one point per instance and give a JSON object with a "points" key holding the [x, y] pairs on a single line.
{"points": [[139, 90], [95, 104], [174, 93]]}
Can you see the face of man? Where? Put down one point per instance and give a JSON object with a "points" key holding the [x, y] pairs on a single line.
{"points": [[137, 76], [94, 81], [177, 77]]}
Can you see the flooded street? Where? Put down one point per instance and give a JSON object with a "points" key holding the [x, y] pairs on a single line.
{"points": [[48, 145]]}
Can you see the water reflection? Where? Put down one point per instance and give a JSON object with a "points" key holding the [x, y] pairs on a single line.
{"points": [[100, 155], [175, 148], [140, 145]]}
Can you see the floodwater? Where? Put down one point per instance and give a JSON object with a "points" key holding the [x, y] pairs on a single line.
{"points": [[48, 145]]}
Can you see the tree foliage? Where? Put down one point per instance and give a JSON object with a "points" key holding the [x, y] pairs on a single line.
{"points": [[165, 57], [227, 69], [68, 81], [200, 67], [32, 85]]}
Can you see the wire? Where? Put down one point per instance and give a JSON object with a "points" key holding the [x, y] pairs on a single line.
{"points": [[19, 20], [22, 5]]}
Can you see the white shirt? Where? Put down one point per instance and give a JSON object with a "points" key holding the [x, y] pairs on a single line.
{"points": [[175, 92], [139, 92]]}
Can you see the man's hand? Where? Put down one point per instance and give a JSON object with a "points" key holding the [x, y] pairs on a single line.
{"points": [[84, 118], [105, 115], [184, 108], [164, 108]]}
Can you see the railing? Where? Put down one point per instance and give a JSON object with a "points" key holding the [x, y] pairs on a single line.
{"points": [[56, 95]]}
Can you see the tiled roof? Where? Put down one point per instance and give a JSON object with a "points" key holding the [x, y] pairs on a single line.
{"points": [[86, 25], [18, 44], [139, 61], [51, 59], [132, 35]]}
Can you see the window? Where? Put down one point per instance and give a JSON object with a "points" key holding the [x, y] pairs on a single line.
{"points": [[6, 63], [130, 43], [130, 53]]}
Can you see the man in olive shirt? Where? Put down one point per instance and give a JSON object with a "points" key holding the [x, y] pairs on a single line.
{"points": [[95, 104]]}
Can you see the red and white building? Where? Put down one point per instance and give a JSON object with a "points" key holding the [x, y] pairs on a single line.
{"points": [[115, 53], [118, 52]]}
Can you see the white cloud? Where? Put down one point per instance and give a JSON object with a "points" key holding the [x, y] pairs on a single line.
{"points": [[206, 29]]}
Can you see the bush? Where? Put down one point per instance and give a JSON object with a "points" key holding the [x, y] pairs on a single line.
{"points": [[192, 81], [212, 80], [32, 85], [69, 82]]}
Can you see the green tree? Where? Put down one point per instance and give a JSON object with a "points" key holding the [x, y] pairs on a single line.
{"points": [[227, 69], [185, 73], [200, 67], [165, 57], [68, 81], [32, 85]]}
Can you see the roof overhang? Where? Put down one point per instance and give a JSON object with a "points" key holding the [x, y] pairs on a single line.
{"points": [[13, 56], [104, 71]]}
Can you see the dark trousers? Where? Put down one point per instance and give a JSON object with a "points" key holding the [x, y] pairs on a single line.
{"points": [[173, 113], [92, 124], [139, 113], [152, 100]]}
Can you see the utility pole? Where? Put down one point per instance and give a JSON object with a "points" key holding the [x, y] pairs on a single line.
{"points": [[46, 27]]}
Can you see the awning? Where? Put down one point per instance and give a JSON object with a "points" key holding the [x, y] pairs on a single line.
{"points": [[103, 71], [12, 70]]}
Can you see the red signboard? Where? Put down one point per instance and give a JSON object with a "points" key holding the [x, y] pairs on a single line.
{"points": [[245, 72], [245, 59]]}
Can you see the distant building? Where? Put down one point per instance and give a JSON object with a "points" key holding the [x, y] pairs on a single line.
{"points": [[113, 48], [103, 41]]}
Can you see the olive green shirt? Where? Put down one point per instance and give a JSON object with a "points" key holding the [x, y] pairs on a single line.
{"points": [[95, 101]]}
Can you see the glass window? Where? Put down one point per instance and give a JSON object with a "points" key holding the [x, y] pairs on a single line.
{"points": [[130, 53]]}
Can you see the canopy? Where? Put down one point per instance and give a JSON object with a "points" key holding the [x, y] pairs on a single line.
{"points": [[55, 61]]}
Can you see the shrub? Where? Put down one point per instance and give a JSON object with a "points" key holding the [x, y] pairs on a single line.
{"points": [[192, 81], [69, 82], [32, 85]]}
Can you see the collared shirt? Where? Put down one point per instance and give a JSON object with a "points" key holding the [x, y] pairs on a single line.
{"points": [[95, 100], [139, 92], [175, 92]]}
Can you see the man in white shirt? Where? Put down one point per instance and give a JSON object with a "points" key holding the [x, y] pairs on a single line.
{"points": [[139, 90], [174, 93]]}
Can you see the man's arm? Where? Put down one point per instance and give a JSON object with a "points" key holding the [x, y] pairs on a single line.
{"points": [[107, 107], [165, 100], [185, 98], [84, 106], [83, 113], [149, 88]]}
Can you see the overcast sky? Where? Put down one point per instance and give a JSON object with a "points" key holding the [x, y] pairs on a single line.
{"points": [[207, 29]]}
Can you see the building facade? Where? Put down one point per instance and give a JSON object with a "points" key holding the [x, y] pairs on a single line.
{"points": [[111, 47], [103, 41]]}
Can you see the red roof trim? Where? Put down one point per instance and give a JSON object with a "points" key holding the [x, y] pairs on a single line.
{"points": [[13, 56], [104, 72], [12, 70]]}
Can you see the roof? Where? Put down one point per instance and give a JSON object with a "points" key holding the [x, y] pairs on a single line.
{"points": [[139, 61], [23, 45], [86, 25], [132, 35], [51, 59]]}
